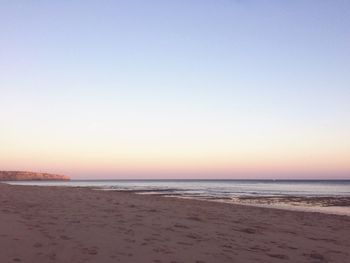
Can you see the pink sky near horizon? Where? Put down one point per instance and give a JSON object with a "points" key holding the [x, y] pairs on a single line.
{"points": [[133, 149], [249, 166]]}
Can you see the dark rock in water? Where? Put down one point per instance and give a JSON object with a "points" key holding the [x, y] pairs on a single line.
{"points": [[30, 176]]}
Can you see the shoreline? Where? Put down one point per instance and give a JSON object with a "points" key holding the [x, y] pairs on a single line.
{"points": [[265, 201], [333, 205], [65, 224], [327, 204]]}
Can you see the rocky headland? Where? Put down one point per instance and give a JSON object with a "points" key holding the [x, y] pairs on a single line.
{"points": [[30, 176]]}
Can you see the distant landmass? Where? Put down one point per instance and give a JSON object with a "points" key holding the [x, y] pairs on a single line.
{"points": [[30, 176]]}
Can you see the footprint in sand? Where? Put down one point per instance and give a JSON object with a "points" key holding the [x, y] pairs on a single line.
{"points": [[194, 218], [37, 245], [248, 230], [280, 256], [185, 243], [90, 251], [315, 256], [52, 256], [180, 226]]}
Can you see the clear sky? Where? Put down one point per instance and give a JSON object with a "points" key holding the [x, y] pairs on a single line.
{"points": [[176, 89]]}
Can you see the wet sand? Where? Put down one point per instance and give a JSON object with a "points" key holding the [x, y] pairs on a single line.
{"points": [[326, 204], [61, 224]]}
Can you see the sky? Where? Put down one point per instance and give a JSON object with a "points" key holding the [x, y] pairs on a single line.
{"points": [[176, 89]]}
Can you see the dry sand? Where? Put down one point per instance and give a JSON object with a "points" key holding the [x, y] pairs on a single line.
{"points": [[59, 224]]}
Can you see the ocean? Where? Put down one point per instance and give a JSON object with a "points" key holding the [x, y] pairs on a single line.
{"points": [[214, 188]]}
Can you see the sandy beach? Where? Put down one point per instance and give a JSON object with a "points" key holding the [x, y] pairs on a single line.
{"points": [[61, 224]]}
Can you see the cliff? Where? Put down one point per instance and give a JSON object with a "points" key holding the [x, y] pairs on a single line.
{"points": [[30, 176]]}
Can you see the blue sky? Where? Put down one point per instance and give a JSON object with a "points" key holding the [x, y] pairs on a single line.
{"points": [[198, 80]]}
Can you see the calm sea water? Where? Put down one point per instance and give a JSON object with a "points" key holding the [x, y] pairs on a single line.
{"points": [[214, 188]]}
